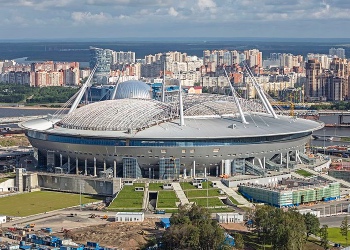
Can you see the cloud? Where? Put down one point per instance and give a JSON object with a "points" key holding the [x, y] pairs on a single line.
{"points": [[206, 5], [83, 17], [173, 12], [202, 17]]}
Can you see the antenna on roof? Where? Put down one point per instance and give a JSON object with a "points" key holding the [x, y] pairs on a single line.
{"points": [[114, 93], [244, 121], [82, 91], [261, 93]]}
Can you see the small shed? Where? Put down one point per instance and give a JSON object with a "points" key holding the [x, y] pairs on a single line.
{"points": [[129, 217], [165, 222], [2, 219], [229, 217]]}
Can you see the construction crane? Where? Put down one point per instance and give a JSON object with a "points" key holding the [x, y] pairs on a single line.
{"points": [[288, 103]]}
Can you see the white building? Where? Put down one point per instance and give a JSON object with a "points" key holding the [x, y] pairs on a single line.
{"points": [[314, 212], [129, 217], [2, 219], [229, 217]]}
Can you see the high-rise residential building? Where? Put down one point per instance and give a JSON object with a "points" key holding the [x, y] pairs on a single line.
{"points": [[338, 52], [313, 87], [123, 57], [103, 58]]}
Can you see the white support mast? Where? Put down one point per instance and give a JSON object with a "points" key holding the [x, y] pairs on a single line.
{"points": [[244, 121], [261, 93], [182, 120], [82, 91], [163, 84], [114, 93]]}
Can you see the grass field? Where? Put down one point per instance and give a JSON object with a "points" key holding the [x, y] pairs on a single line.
{"points": [[39, 202], [188, 186], [167, 199], [211, 202], [303, 173], [202, 193], [155, 186], [335, 236], [128, 198]]}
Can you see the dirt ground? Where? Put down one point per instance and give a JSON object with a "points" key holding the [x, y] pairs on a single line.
{"points": [[235, 226], [127, 236]]}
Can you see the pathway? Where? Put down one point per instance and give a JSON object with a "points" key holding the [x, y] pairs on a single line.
{"points": [[230, 192], [180, 193]]}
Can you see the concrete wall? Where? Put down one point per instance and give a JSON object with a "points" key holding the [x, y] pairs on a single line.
{"points": [[4, 186], [77, 184], [263, 180]]}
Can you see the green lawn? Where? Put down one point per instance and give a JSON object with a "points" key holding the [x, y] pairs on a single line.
{"points": [[155, 186], [128, 198], [304, 173], [335, 236], [202, 193], [187, 186], [167, 199], [211, 202], [39, 202]]}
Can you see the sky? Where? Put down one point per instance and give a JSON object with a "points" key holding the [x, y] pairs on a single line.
{"points": [[53, 19]]}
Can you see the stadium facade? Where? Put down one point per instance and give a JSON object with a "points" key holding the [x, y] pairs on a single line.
{"points": [[134, 136]]}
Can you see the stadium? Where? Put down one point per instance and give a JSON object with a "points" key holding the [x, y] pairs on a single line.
{"points": [[133, 136]]}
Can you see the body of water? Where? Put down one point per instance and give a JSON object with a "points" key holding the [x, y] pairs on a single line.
{"points": [[79, 50]]}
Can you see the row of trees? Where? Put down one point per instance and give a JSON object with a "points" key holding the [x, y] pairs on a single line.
{"points": [[11, 93], [342, 105]]}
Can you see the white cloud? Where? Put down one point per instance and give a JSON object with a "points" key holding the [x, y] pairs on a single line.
{"points": [[206, 5], [173, 12], [82, 17]]}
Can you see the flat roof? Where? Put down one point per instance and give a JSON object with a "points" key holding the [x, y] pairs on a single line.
{"points": [[129, 213]]}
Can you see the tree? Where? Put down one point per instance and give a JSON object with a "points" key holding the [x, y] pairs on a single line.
{"points": [[344, 228], [239, 242], [324, 236], [282, 229], [193, 228], [312, 224]]}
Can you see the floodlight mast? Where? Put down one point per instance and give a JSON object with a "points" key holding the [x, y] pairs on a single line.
{"points": [[261, 93], [244, 121], [82, 91]]}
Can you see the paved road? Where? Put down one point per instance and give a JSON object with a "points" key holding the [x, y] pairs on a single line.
{"points": [[333, 221]]}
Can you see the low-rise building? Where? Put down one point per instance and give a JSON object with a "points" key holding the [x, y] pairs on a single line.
{"points": [[129, 217], [229, 217], [317, 213]]}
